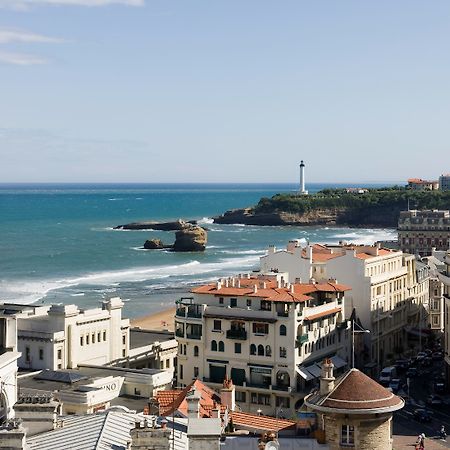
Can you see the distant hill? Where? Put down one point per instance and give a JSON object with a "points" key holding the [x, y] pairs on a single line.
{"points": [[375, 208]]}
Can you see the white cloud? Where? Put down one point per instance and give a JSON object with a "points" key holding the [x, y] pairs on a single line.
{"points": [[11, 35], [20, 59], [24, 5]]}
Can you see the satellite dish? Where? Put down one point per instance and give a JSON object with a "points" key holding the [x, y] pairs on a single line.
{"points": [[272, 445]]}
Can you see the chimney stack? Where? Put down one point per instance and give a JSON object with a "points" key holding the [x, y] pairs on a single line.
{"points": [[228, 394], [327, 379], [193, 400]]}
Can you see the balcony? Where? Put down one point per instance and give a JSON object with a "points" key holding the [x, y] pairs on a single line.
{"points": [[303, 339], [180, 312], [193, 336], [281, 388], [283, 313], [194, 314], [179, 333], [237, 334]]}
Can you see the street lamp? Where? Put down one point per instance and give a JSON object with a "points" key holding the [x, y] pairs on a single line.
{"points": [[361, 330]]}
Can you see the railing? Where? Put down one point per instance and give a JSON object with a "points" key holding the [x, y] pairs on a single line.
{"points": [[258, 385], [180, 312], [237, 334], [283, 313], [276, 387], [303, 339], [194, 314], [193, 336]]}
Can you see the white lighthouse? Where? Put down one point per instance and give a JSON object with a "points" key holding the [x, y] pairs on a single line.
{"points": [[303, 191]]}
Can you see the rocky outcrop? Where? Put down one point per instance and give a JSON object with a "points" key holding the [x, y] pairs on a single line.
{"points": [[160, 226], [153, 244], [192, 239], [363, 217]]}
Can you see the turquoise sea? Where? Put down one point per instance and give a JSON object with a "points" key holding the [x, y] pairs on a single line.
{"points": [[57, 242]]}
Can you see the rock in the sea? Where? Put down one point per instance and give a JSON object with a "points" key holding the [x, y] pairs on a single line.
{"points": [[179, 224], [153, 244], [191, 239]]}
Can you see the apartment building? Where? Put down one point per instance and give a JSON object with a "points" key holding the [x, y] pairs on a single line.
{"points": [[388, 293], [419, 232], [445, 279], [266, 334], [63, 336], [417, 184], [444, 182]]}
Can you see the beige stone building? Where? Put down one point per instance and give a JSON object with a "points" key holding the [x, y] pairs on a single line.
{"points": [[355, 411], [417, 184], [266, 334], [419, 232]]}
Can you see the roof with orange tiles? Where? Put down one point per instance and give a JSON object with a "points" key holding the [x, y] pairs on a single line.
{"points": [[261, 423], [175, 400], [298, 292], [327, 312], [355, 391], [381, 252]]}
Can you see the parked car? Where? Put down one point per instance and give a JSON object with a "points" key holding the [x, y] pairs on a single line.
{"points": [[420, 356], [402, 364], [395, 385], [439, 387], [428, 352], [437, 356], [387, 374], [412, 372], [434, 400], [422, 415], [427, 361]]}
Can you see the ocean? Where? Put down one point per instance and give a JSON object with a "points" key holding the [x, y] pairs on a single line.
{"points": [[57, 243]]}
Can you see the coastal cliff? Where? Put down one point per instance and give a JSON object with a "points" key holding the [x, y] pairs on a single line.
{"points": [[372, 208]]}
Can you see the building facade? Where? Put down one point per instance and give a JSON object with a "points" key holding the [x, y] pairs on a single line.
{"points": [[417, 184], [445, 279], [444, 182], [63, 336], [419, 232], [388, 293], [264, 333]]}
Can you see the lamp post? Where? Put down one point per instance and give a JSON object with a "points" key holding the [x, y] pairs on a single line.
{"points": [[361, 330]]}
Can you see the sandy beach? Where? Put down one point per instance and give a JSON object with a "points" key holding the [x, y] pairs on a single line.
{"points": [[163, 320]]}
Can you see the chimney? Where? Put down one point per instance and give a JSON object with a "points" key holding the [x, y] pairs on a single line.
{"points": [[327, 378], [271, 250], [148, 436], [227, 394], [215, 411], [278, 284], [233, 281], [255, 289], [291, 288], [238, 283], [13, 436], [309, 252], [218, 285], [226, 282], [193, 400], [312, 281]]}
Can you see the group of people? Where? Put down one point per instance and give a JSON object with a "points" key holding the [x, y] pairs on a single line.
{"points": [[420, 442]]}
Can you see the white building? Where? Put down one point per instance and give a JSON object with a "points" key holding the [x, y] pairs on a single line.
{"points": [[63, 336], [445, 279], [388, 291], [8, 365], [266, 334]]}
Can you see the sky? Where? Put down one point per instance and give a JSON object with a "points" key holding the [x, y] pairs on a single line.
{"points": [[224, 91]]}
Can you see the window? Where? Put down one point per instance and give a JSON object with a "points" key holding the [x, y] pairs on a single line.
{"points": [[260, 350], [265, 305], [41, 354], [249, 303], [282, 330], [283, 402], [104, 335], [87, 339], [81, 341], [196, 350], [184, 349], [137, 391], [233, 302], [260, 328], [240, 396], [195, 372], [221, 346], [268, 350], [213, 346], [220, 300], [237, 347], [59, 366], [124, 339], [217, 325], [93, 338], [27, 354], [181, 371], [253, 349], [167, 363], [260, 399], [59, 353], [124, 353], [99, 336], [283, 352], [348, 435]]}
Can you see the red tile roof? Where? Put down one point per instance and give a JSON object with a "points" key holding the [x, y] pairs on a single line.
{"points": [[327, 312], [261, 423]]}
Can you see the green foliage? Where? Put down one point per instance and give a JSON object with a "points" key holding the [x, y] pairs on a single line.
{"points": [[393, 197]]}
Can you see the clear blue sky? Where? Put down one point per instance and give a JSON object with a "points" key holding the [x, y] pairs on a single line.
{"points": [[230, 90]]}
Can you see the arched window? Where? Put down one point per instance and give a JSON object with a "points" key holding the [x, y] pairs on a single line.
{"points": [[268, 350], [260, 350], [282, 330], [214, 346], [196, 350], [253, 349], [221, 346]]}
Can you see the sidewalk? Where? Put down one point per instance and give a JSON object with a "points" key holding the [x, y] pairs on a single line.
{"points": [[408, 443]]}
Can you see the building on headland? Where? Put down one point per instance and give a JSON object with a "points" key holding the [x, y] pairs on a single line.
{"points": [[388, 292], [444, 182], [355, 411], [8, 365], [417, 184], [421, 231], [265, 333], [63, 336]]}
